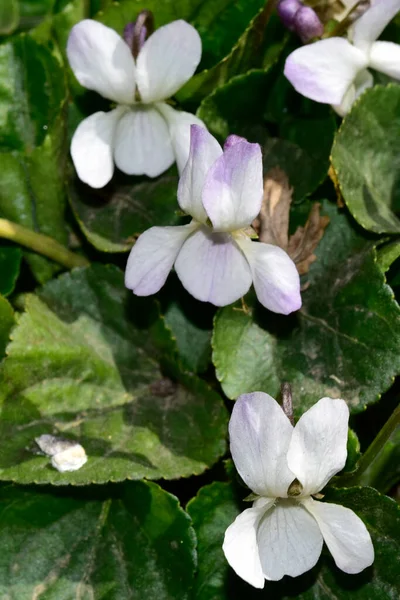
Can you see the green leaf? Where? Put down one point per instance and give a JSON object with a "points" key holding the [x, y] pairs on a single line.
{"points": [[366, 159], [10, 263], [388, 254], [215, 508], [343, 343], [32, 143], [212, 511], [9, 16], [190, 322], [83, 364], [258, 46], [113, 217], [136, 544], [353, 452], [6, 324]]}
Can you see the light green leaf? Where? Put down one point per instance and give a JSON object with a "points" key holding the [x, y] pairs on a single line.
{"points": [[32, 143], [214, 509], [138, 543], [83, 365], [6, 324], [10, 263], [9, 16], [343, 343], [366, 159], [113, 217]]}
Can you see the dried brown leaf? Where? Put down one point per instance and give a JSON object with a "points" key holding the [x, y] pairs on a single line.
{"points": [[272, 224], [305, 239]]}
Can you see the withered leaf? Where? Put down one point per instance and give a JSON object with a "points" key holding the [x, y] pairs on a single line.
{"points": [[305, 239]]}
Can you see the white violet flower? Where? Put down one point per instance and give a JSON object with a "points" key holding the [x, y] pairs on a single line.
{"points": [[143, 134], [214, 256], [335, 71], [283, 532]]}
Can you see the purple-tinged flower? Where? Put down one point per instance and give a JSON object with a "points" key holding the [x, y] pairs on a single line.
{"points": [[287, 10], [307, 24], [283, 532], [334, 71], [143, 134], [214, 256]]}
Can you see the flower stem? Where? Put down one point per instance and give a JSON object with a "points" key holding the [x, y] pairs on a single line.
{"points": [[42, 244], [365, 473]]}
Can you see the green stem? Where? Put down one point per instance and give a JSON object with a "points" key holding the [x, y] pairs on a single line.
{"points": [[361, 476], [42, 244]]}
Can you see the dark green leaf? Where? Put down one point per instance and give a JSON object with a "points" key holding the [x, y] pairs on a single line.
{"points": [[9, 16], [325, 348], [6, 323], [215, 507], [366, 159], [10, 262], [259, 46], [113, 217], [137, 544], [212, 511], [32, 143], [190, 322], [83, 364]]}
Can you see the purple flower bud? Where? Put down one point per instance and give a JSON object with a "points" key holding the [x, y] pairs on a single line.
{"points": [[136, 32], [129, 32], [307, 24], [287, 10]]}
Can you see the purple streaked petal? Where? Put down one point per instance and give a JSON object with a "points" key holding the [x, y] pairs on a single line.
{"points": [[142, 142], [92, 147], [167, 60], [212, 268], [102, 61], [260, 435], [275, 277], [370, 25], [204, 151], [152, 258], [233, 188], [179, 125], [324, 71], [289, 541]]}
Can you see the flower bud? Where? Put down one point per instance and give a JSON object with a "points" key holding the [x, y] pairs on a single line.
{"points": [[287, 10], [307, 24], [136, 32]]}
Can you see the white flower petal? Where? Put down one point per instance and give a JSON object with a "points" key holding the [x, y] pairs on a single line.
{"points": [[289, 541], [233, 188], [167, 60], [318, 448], [363, 81], [345, 535], [240, 544], [324, 71], [212, 268], [179, 124], [385, 57], [142, 143], [371, 24], [204, 151], [275, 277], [152, 258], [102, 61], [260, 434], [92, 147]]}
